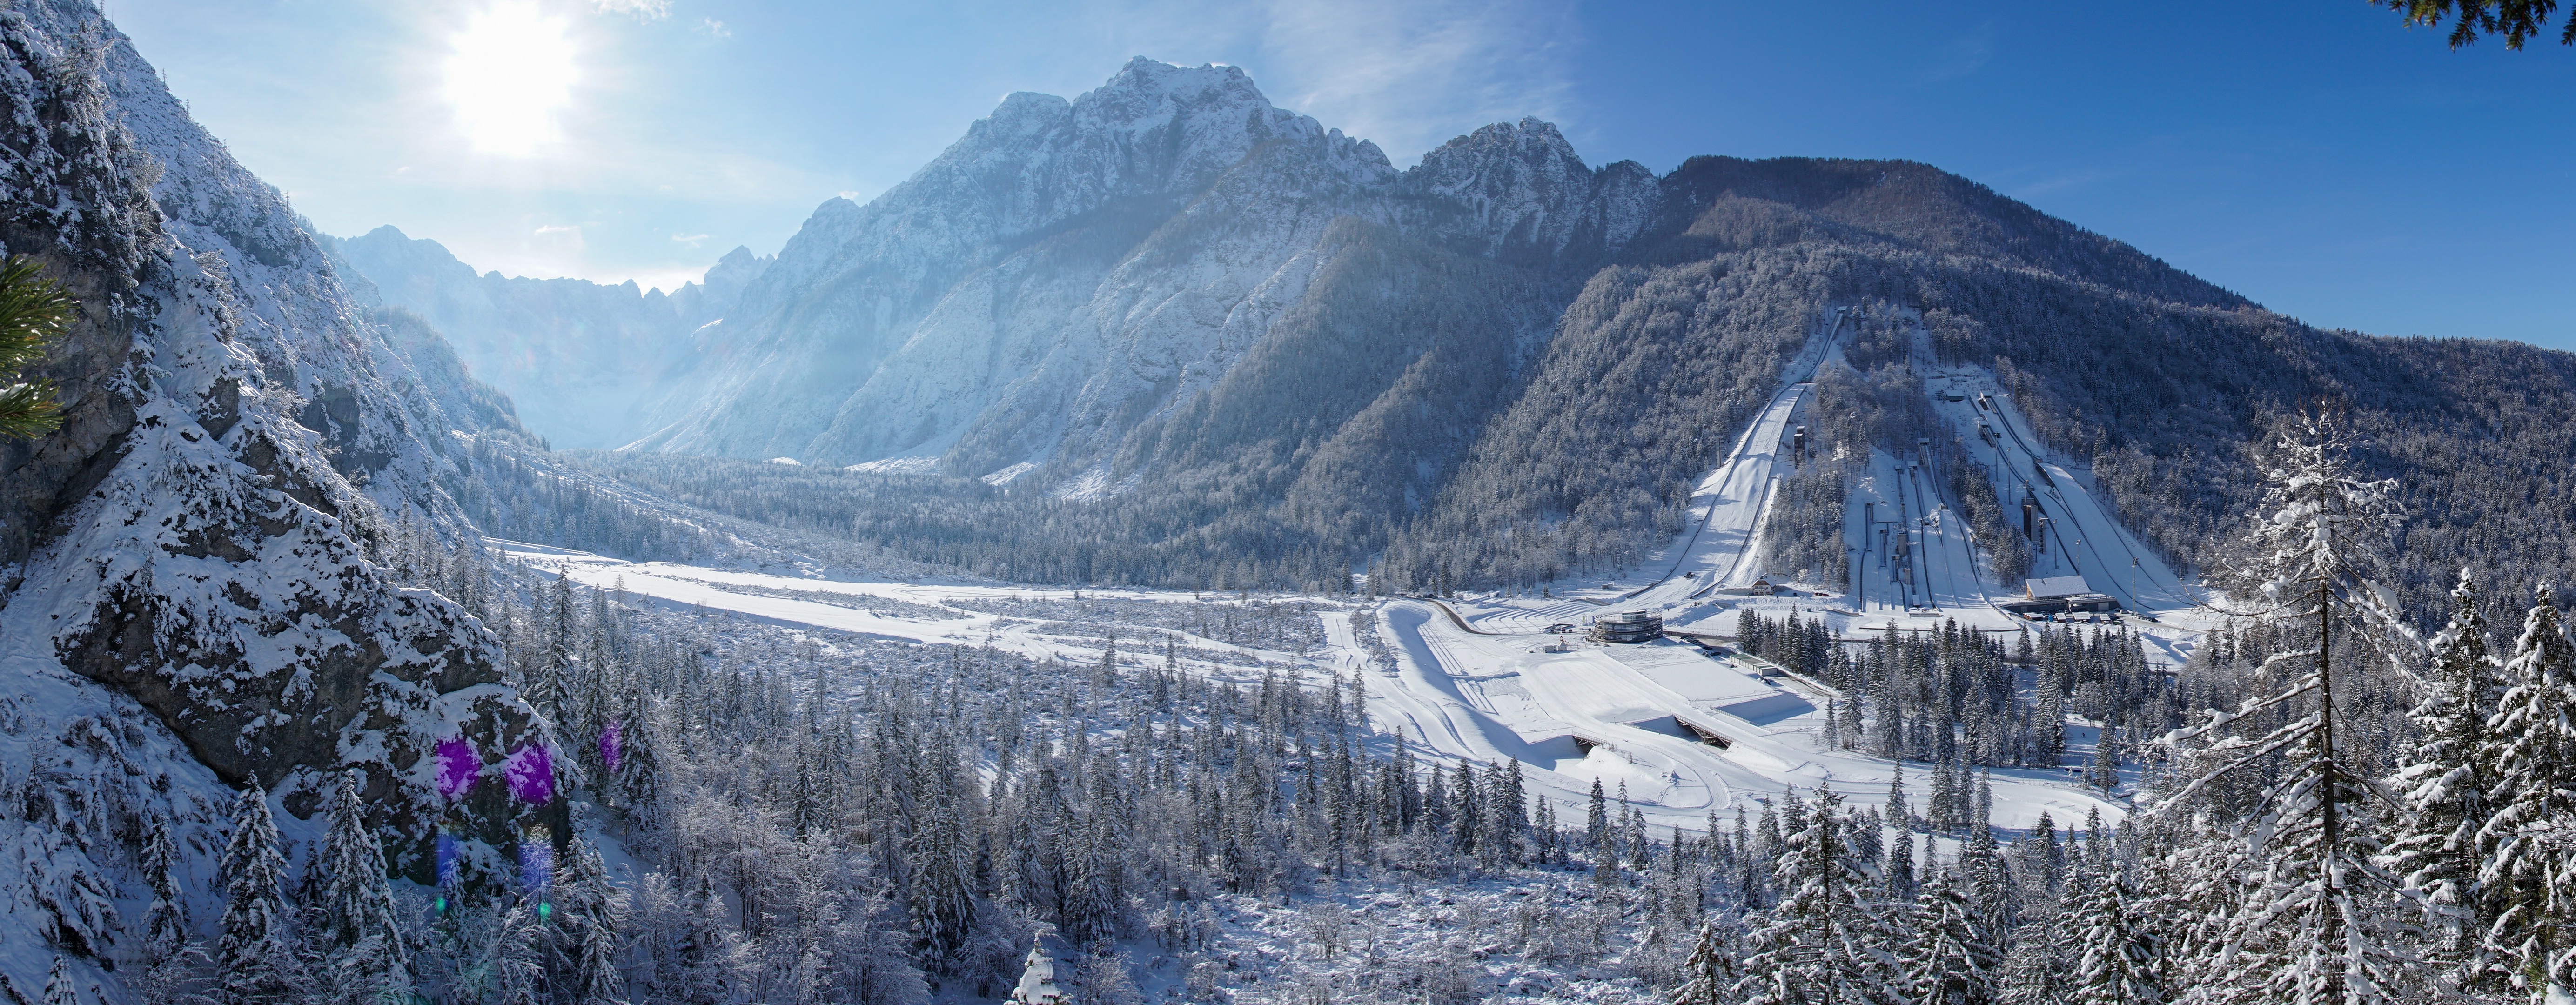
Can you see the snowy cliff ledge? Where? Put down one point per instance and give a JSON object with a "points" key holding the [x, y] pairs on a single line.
{"points": [[188, 604]]}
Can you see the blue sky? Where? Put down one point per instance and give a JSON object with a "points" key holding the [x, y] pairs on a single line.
{"points": [[2311, 154]]}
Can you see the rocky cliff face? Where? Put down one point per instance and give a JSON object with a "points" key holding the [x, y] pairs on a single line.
{"points": [[1072, 273], [575, 356], [189, 605]]}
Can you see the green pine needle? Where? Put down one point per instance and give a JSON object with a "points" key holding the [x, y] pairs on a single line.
{"points": [[34, 311]]}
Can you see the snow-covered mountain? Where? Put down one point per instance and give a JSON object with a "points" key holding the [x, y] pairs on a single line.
{"points": [[190, 605], [1071, 272], [576, 357]]}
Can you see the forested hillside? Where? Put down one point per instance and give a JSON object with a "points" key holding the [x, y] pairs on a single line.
{"points": [[1459, 422]]}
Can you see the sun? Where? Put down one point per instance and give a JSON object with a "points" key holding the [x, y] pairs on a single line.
{"points": [[511, 73]]}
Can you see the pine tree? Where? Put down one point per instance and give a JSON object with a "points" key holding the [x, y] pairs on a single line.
{"points": [[2115, 954], [1949, 959], [368, 954], [2033, 972], [165, 923], [588, 913], [356, 901], [34, 312], [2105, 772], [1826, 942], [255, 959], [2527, 850], [2049, 719], [1710, 973], [2315, 927], [1945, 799], [704, 950], [2447, 781], [1596, 824], [59, 986], [1901, 880]]}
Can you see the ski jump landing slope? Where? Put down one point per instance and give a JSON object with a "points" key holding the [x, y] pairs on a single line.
{"points": [[2082, 537]]}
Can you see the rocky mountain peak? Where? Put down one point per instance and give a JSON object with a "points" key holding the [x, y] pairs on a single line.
{"points": [[1518, 191]]}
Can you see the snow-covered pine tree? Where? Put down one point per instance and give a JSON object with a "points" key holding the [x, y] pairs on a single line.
{"points": [[2114, 953], [2315, 928], [165, 923], [1948, 959], [2048, 721], [367, 951], [2033, 973], [1988, 879], [60, 988], [1715, 964], [2105, 771], [1826, 941], [1944, 809], [2447, 779], [357, 902], [586, 907], [256, 958], [1901, 877], [1596, 823], [2528, 846], [703, 953]]}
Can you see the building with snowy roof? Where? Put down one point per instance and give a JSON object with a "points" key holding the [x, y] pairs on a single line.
{"points": [[2056, 594], [2054, 588], [1631, 627]]}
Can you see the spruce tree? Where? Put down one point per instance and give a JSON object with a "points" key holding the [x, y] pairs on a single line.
{"points": [[357, 902], [2105, 771], [1710, 973], [2114, 955], [60, 988], [1826, 941], [1949, 959], [367, 951], [2033, 972], [165, 922], [256, 957], [2316, 926], [1596, 823], [2448, 778], [587, 911], [2528, 868]]}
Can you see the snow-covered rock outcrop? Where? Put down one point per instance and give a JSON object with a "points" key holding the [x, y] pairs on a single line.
{"points": [[188, 601]]}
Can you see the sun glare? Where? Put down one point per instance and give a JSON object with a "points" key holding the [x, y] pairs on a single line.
{"points": [[511, 74]]}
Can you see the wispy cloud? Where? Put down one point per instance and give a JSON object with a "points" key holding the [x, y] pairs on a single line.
{"points": [[1411, 75], [1408, 74], [712, 28], [562, 238], [641, 10], [692, 240], [1962, 56]]}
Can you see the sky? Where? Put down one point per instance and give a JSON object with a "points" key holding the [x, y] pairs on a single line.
{"points": [[2314, 155]]}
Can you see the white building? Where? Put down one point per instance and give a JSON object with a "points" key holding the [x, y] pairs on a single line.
{"points": [[2055, 588]]}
